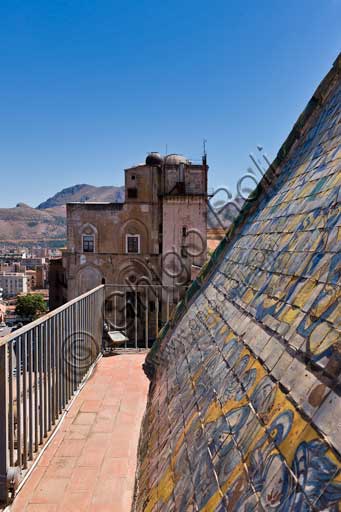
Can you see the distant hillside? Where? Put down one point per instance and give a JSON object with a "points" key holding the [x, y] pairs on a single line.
{"points": [[47, 222], [84, 193], [29, 224]]}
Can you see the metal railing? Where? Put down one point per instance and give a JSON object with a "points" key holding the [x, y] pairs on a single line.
{"points": [[140, 311], [43, 363], [41, 367]]}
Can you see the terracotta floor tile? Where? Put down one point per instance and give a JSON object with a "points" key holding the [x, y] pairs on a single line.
{"points": [[105, 508], [76, 427], [93, 395], [41, 507], [73, 411], [109, 491], [115, 467], [118, 449], [61, 467], [76, 502], [74, 434], [122, 434], [66, 423], [77, 431], [108, 412], [91, 459], [96, 439], [83, 479], [125, 418], [51, 450], [84, 418], [50, 490], [109, 399], [113, 507], [91, 406], [103, 426], [71, 447], [34, 479]]}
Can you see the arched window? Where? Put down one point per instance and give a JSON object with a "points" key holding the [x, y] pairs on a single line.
{"points": [[88, 240], [88, 243], [133, 244]]}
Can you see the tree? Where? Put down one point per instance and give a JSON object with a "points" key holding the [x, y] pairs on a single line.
{"points": [[31, 306]]}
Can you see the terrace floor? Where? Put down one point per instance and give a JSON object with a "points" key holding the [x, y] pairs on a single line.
{"points": [[90, 463]]}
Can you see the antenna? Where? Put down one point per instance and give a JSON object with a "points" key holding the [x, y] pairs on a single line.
{"points": [[166, 149], [204, 157]]}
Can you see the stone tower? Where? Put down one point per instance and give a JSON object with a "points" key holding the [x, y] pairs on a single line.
{"points": [[157, 236], [183, 192]]}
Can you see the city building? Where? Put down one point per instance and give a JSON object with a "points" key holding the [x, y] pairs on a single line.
{"points": [[13, 283], [41, 276], [31, 280], [12, 267], [11, 257], [36, 278], [31, 263]]}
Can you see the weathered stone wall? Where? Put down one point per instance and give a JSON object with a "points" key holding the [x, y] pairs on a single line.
{"points": [[109, 223], [193, 177], [244, 412], [183, 212]]}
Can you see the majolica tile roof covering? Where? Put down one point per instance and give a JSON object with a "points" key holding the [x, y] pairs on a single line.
{"points": [[244, 411]]}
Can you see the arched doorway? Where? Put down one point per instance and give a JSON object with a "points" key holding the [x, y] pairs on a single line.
{"points": [[87, 279]]}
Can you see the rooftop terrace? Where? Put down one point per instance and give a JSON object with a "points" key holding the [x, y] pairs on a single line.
{"points": [[90, 463]]}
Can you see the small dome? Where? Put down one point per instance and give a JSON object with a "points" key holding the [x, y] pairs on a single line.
{"points": [[154, 159], [174, 159]]}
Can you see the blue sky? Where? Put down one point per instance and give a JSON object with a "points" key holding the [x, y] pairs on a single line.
{"points": [[88, 87]]}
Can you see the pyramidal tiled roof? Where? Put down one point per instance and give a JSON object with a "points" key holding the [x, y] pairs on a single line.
{"points": [[244, 411]]}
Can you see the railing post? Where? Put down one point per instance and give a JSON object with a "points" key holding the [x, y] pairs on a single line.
{"points": [[3, 424], [102, 316]]}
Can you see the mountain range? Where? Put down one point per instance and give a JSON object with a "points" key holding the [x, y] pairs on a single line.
{"points": [[46, 224]]}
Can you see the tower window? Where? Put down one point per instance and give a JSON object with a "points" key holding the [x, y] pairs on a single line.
{"points": [[133, 177], [88, 243], [132, 193], [184, 231], [133, 244]]}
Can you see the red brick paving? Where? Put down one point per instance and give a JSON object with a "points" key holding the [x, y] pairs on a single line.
{"points": [[90, 464]]}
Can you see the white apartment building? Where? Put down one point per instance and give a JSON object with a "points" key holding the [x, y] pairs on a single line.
{"points": [[13, 283]]}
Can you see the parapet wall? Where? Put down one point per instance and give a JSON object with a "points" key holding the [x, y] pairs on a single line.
{"points": [[244, 411]]}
